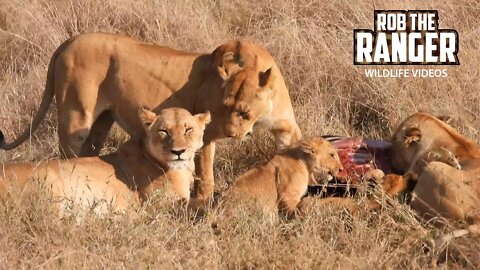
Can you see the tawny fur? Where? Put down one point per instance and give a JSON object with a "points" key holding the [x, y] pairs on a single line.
{"points": [[422, 138], [161, 161], [448, 168], [281, 184], [97, 78]]}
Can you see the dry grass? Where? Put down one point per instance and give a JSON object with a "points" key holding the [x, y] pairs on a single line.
{"points": [[312, 42]]}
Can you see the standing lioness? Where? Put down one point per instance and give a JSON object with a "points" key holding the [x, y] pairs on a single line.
{"points": [[101, 78], [161, 160]]}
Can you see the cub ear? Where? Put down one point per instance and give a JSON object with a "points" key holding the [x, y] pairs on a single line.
{"points": [[147, 117], [221, 65], [412, 134], [228, 64], [204, 118], [223, 74], [265, 78], [306, 149]]}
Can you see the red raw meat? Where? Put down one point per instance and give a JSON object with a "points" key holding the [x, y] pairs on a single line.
{"points": [[359, 156]]}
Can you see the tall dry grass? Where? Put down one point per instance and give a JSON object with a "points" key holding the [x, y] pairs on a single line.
{"points": [[312, 42]]}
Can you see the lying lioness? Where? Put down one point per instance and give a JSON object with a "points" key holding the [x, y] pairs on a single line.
{"points": [[443, 171], [161, 160], [281, 184]]}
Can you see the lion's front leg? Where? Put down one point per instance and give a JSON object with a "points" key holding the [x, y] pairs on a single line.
{"points": [[203, 187], [285, 132]]}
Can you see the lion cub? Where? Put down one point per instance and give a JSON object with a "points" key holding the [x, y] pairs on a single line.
{"points": [[161, 160], [280, 184]]}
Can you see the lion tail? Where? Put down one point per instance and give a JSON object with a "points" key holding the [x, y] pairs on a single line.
{"points": [[443, 239], [44, 105]]}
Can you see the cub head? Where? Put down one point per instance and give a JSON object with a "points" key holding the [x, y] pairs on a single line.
{"points": [[173, 136], [319, 155], [247, 71]]}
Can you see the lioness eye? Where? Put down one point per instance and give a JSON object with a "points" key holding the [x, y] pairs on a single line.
{"points": [[188, 130], [163, 132], [333, 155], [243, 115]]}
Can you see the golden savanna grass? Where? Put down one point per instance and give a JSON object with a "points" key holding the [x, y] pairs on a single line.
{"points": [[312, 42]]}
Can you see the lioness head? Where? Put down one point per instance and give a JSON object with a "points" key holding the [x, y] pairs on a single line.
{"points": [[174, 135], [423, 138], [247, 71], [247, 99], [405, 142], [319, 155]]}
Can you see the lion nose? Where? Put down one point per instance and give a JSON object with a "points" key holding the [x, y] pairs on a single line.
{"points": [[249, 134], [178, 152]]}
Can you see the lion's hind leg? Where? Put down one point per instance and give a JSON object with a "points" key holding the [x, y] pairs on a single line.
{"points": [[76, 116], [73, 131], [98, 134]]}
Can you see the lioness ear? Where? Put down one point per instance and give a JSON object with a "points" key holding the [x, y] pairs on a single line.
{"points": [[412, 134], [205, 118], [265, 77], [146, 116]]}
